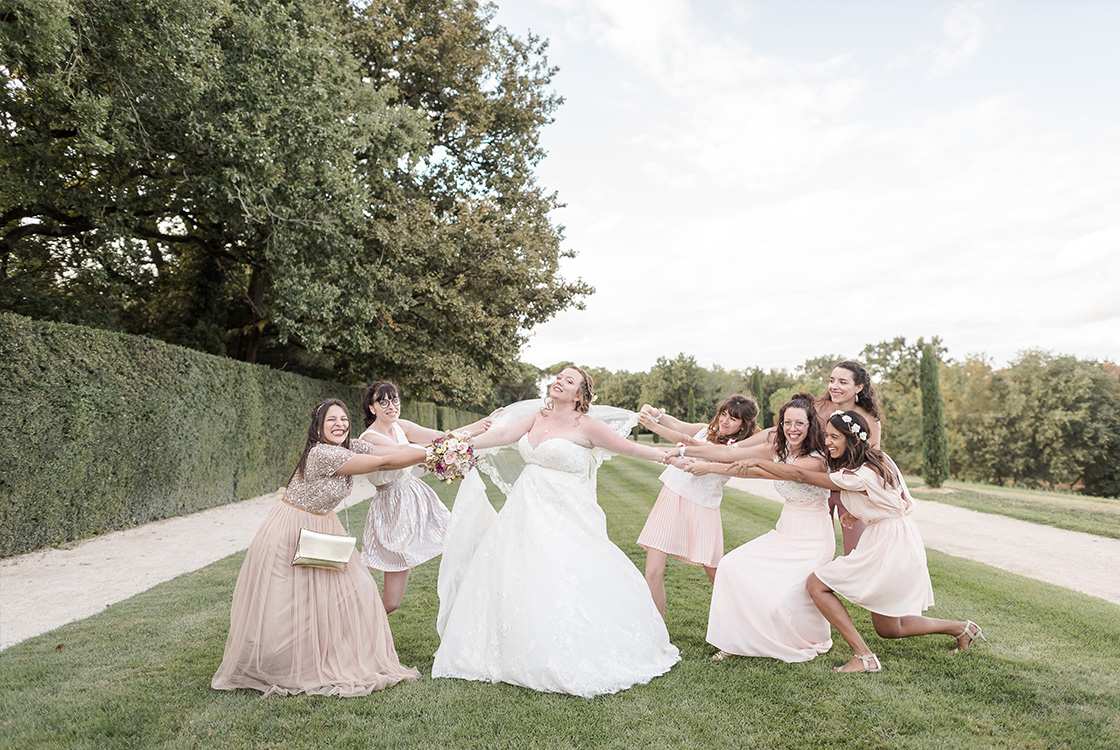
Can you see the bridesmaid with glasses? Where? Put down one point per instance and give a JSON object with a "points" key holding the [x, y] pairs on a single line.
{"points": [[759, 603], [406, 521]]}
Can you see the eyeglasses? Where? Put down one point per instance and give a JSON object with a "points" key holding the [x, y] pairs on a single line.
{"points": [[385, 403], [798, 423]]}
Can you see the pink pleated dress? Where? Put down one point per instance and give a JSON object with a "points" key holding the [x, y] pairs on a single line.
{"points": [[685, 521], [886, 573], [760, 606], [308, 630]]}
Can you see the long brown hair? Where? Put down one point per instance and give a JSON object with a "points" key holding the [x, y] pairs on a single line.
{"points": [[858, 451], [814, 435], [315, 432], [743, 408]]}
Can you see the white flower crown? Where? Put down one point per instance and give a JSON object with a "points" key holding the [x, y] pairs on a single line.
{"points": [[852, 426]]}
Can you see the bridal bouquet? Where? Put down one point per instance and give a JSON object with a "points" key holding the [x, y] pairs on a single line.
{"points": [[450, 458]]}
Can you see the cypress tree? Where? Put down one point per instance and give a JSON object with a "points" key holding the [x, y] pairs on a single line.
{"points": [[756, 389], [935, 444]]}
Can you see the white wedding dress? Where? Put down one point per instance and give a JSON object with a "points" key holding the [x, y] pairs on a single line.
{"points": [[538, 595]]}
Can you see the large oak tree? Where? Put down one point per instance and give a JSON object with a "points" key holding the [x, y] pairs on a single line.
{"points": [[344, 190]]}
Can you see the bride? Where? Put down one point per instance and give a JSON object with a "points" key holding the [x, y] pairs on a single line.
{"points": [[537, 595]]}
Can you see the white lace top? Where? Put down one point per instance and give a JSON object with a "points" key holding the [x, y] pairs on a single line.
{"points": [[796, 491]]}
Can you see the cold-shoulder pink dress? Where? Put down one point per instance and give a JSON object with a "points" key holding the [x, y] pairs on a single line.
{"points": [[308, 630], [886, 573]]}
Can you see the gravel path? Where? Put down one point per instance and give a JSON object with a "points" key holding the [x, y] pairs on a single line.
{"points": [[46, 589], [1072, 559]]}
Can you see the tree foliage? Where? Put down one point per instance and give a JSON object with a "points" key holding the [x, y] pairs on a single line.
{"points": [[341, 190], [1044, 420]]}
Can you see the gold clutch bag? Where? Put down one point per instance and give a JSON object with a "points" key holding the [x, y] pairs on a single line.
{"points": [[317, 550]]}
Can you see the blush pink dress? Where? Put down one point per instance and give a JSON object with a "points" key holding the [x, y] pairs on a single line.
{"points": [[308, 630], [685, 521], [760, 606], [886, 573]]}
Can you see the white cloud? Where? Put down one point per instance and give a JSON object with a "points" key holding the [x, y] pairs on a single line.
{"points": [[964, 31], [726, 202]]}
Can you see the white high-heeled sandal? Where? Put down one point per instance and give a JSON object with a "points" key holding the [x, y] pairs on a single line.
{"points": [[867, 662], [974, 633]]}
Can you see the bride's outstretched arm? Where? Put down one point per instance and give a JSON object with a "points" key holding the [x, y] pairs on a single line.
{"points": [[505, 435], [602, 436]]}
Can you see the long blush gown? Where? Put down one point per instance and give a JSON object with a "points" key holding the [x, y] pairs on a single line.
{"points": [[308, 630], [886, 573], [760, 606], [541, 597]]}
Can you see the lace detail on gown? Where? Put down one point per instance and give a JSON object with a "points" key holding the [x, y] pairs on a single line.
{"points": [[546, 600]]}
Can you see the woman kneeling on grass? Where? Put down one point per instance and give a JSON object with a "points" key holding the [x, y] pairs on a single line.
{"points": [[303, 629], [886, 573]]}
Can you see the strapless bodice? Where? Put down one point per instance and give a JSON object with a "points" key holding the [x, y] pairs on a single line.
{"points": [[560, 454]]}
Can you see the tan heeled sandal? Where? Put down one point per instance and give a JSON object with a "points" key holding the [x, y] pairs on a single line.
{"points": [[974, 633], [721, 655], [870, 664]]}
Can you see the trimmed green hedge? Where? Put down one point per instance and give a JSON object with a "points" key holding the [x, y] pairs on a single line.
{"points": [[107, 431]]}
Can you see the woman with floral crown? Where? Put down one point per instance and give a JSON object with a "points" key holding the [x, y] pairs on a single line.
{"points": [[886, 573], [849, 389], [537, 595]]}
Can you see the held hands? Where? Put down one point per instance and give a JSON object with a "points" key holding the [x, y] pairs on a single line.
{"points": [[848, 520], [645, 419], [741, 467], [680, 463], [699, 468]]}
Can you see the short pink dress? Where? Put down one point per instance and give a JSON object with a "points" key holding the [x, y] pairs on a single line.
{"points": [[308, 630], [406, 522], [685, 521], [886, 573], [760, 606]]}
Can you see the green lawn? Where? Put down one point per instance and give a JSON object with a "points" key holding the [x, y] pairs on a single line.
{"points": [[1064, 510], [138, 674]]}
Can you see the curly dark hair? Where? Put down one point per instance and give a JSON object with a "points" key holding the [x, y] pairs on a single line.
{"points": [[814, 434], [867, 399]]}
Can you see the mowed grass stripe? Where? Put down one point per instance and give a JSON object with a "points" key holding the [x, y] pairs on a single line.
{"points": [[138, 674]]}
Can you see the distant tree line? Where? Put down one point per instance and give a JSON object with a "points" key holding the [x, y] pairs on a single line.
{"points": [[344, 190], [1044, 420]]}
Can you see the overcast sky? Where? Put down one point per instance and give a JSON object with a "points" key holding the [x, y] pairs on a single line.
{"points": [[756, 183]]}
